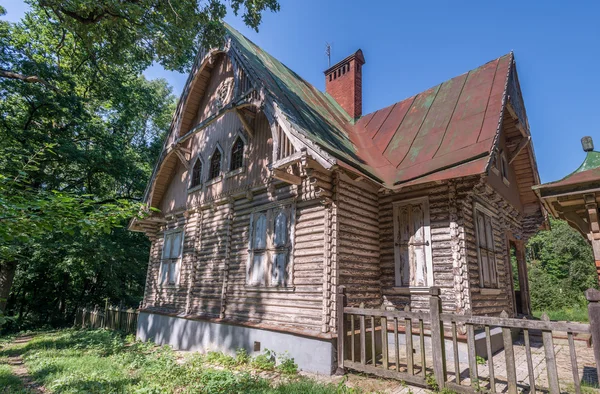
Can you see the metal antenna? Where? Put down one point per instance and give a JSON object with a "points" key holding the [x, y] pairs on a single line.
{"points": [[328, 53]]}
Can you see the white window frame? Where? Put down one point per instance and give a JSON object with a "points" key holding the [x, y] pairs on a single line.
{"points": [[428, 248], [166, 262], [480, 209], [270, 249]]}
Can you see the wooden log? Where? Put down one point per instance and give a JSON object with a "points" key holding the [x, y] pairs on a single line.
{"points": [[550, 359]]}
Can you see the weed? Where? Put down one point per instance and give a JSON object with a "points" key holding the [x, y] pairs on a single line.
{"points": [[241, 356], [480, 360], [264, 361], [431, 382], [287, 365]]}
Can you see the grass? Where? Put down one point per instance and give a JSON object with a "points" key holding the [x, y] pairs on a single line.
{"points": [[100, 361], [577, 314], [10, 383]]}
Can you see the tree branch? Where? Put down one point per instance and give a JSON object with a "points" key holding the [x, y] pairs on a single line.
{"points": [[26, 78]]}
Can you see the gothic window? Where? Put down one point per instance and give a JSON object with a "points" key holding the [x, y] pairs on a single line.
{"points": [[196, 173], [215, 164], [237, 154]]}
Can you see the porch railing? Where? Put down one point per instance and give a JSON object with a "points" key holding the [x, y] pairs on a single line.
{"points": [[419, 347]]}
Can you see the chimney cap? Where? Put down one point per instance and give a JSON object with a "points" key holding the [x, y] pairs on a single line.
{"points": [[587, 143], [358, 55]]}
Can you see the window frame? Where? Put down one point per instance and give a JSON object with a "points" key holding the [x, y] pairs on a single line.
{"points": [[504, 167], [168, 261], [428, 248], [191, 185], [494, 282], [270, 251], [209, 180], [242, 168]]}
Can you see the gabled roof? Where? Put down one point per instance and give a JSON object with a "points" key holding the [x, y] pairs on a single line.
{"points": [[444, 132]]}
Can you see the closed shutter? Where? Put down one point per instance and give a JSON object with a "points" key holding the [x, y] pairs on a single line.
{"points": [[413, 245], [486, 249]]}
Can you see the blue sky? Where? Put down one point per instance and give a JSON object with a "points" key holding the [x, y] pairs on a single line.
{"points": [[411, 46]]}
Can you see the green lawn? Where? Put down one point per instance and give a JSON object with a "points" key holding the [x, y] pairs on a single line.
{"points": [[566, 314], [100, 361]]}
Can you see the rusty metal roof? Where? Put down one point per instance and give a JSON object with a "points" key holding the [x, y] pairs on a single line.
{"points": [[450, 126]]}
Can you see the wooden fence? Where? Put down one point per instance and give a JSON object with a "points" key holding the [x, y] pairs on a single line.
{"points": [[111, 317], [371, 339]]}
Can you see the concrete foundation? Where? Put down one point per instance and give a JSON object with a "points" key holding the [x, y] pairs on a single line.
{"points": [[311, 354]]}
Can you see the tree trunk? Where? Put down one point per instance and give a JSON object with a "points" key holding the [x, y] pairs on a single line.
{"points": [[7, 275]]}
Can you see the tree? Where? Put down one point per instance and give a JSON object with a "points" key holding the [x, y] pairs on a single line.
{"points": [[80, 129], [561, 267]]}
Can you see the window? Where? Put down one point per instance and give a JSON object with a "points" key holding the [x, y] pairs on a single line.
{"points": [[412, 244], [503, 166], [237, 154], [196, 173], [485, 247], [270, 247], [215, 164], [171, 257]]}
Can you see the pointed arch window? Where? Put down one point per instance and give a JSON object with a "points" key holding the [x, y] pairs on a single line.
{"points": [[215, 164], [196, 174], [237, 154]]}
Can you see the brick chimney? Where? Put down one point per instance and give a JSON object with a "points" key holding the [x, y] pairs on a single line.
{"points": [[343, 82]]}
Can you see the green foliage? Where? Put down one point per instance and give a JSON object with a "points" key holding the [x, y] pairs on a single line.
{"points": [[264, 361], [9, 382], [102, 361], [242, 357], [561, 268], [140, 32], [480, 360], [79, 133], [431, 382], [578, 314], [287, 365]]}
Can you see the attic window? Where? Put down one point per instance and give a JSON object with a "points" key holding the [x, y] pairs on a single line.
{"points": [[237, 155], [215, 164], [504, 168], [196, 173], [223, 93]]}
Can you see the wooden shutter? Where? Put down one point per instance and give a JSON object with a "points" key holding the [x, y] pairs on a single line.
{"points": [[486, 250], [257, 256], [413, 245], [280, 252]]}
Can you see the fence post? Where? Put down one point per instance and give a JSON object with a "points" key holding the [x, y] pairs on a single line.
{"points": [[438, 348], [104, 323], [341, 330], [593, 297]]}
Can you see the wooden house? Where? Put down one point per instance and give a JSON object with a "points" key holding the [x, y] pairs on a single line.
{"points": [[272, 194]]}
